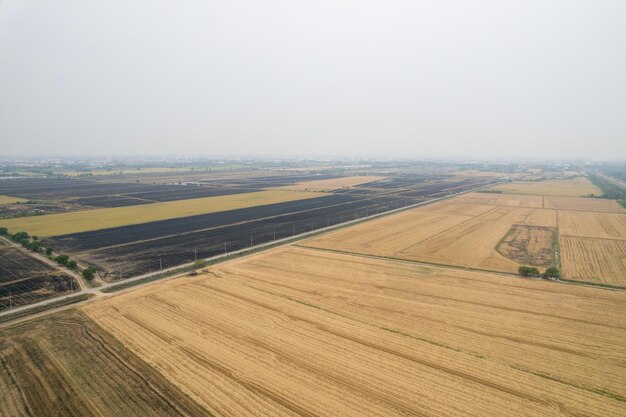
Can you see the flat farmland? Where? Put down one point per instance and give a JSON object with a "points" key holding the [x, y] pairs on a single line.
{"points": [[332, 183], [81, 221], [596, 260], [298, 331], [6, 199], [65, 365], [451, 233], [583, 204], [137, 249], [35, 288], [575, 187], [529, 245], [16, 265]]}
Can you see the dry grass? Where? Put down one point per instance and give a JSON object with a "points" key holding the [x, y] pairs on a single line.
{"points": [[81, 221], [575, 187], [65, 365], [529, 245], [449, 233], [331, 184], [7, 199], [305, 332], [596, 260], [583, 204]]}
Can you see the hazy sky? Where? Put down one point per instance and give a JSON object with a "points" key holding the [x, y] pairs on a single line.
{"points": [[410, 78]]}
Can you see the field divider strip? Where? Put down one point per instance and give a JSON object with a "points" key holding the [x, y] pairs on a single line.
{"points": [[470, 269]]}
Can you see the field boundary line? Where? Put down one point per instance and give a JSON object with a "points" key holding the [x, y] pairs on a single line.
{"points": [[469, 269]]}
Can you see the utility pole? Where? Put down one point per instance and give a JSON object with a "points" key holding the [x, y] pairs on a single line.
{"points": [[294, 229], [195, 255], [274, 234], [160, 263], [120, 274], [224, 248], [250, 241]]}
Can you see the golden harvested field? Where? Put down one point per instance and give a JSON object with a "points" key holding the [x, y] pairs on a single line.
{"points": [[305, 332], [592, 224], [65, 365], [82, 221], [597, 260], [583, 204], [502, 199], [331, 184], [7, 199], [448, 232], [575, 187]]}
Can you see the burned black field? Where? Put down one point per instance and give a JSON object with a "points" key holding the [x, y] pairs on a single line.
{"points": [[35, 289], [26, 280], [16, 265], [134, 250]]}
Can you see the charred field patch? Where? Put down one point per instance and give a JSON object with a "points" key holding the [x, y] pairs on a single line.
{"points": [[35, 289], [16, 265], [529, 245]]}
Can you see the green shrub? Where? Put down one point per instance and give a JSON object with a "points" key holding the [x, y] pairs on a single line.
{"points": [[62, 259], [19, 237], [552, 272], [89, 272], [527, 271]]}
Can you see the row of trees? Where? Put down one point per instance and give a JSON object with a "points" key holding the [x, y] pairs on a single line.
{"points": [[34, 244], [532, 271]]}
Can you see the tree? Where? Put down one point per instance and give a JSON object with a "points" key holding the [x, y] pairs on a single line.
{"points": [[527, 271], [35, 237], [34, 246], [552, 272], [62, 259], [4, 231], [48, 251], [71, 264], [89, 272], [19, 237]]}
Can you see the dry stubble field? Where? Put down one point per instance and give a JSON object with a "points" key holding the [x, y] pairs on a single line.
{"points": [[65, 365], [574, 187], [465, 232], [299, 331]]}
